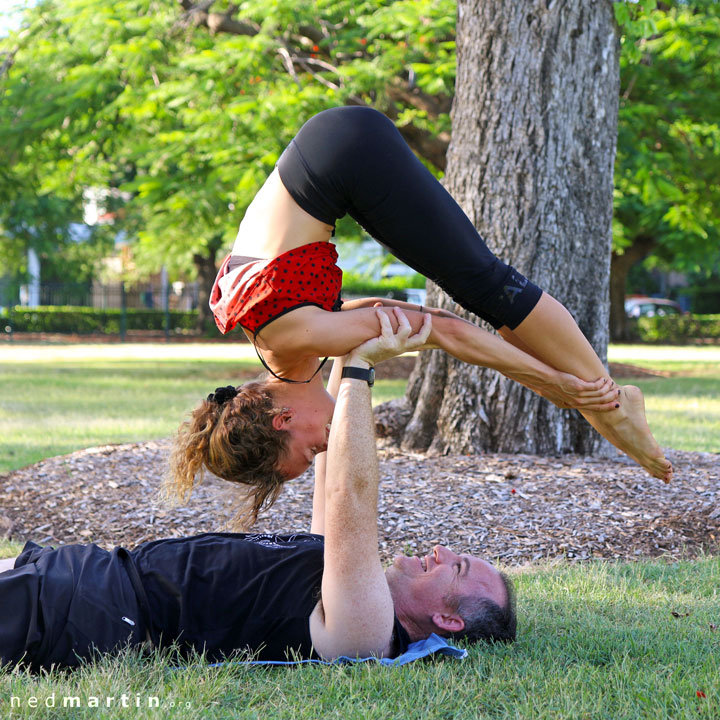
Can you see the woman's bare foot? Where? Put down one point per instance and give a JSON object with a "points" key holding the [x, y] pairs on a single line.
{"points": [[627, 429]]}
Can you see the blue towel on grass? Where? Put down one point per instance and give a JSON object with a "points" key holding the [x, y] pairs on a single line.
{"points": [[422, 648]]}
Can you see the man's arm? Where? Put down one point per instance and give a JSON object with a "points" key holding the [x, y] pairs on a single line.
{"points": [[333, 386], [318, 511], [355, 615]]}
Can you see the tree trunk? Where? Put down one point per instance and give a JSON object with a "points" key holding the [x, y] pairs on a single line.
{"points": [[206, 268], [619, 267], [531, 162]]}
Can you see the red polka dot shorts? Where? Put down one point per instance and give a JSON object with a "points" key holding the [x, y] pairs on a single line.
{"points": [[254, 294]]}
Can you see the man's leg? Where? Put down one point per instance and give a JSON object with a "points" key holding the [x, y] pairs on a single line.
{"points": [[60, 605], [21, 626]]}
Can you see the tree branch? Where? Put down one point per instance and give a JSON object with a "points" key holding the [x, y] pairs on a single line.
{"points": [[8, 61], [431, 147], [289, 66], [433, 105], [216, 22], [305, 62]]}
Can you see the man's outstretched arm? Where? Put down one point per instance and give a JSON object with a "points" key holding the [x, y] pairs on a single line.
{"points": [[355, 615], [318, 511]]}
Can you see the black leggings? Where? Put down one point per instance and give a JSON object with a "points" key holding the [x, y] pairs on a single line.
{"points": [[353, 160]]}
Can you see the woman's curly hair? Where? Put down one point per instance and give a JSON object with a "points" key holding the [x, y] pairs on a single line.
{"points": [[235, 440]]}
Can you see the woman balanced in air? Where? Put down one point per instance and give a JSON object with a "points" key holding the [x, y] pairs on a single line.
{"points": [[281, 285]]}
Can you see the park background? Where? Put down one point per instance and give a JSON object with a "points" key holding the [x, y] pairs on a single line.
{"points": [[134, 134]]}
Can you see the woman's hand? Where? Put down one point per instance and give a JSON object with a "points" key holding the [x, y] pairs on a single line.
{"points": [[568, 391], [389, 344]]}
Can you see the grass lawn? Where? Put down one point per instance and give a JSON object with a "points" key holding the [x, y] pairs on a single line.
{"points": [[684, 408], [58, 398], [595, 641]]}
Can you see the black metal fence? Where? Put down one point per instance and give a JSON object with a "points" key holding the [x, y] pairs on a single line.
{"points": [[116, 308], [177, 296]]}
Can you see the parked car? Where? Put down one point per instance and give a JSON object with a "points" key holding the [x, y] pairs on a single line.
{"points": [[412, 295], [415, 295], [651, 307]]}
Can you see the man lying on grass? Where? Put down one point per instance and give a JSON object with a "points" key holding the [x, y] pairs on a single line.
{"points": [[299, 595]]}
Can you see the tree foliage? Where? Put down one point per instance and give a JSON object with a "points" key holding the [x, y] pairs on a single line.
{"points": [[188, 110], [669, 140], [667, 188], [186, 105]]}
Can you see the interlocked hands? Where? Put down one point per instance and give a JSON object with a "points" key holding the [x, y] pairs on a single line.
{"points": [[391, 342]]}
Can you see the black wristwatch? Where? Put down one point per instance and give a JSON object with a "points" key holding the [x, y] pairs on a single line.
{"points": [[367, 374]]}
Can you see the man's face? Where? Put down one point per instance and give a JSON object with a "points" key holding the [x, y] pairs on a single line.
{"points": [[421, 586]]}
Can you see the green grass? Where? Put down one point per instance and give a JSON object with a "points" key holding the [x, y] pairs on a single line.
{"points": [[10, 548], [58, 398], [594, 641], [683, 409]]}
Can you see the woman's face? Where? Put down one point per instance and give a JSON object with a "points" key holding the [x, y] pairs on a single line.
{"points": [[309, 427]]}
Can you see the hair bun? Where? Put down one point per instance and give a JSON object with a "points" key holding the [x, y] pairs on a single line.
{"points": [[222, 394]]}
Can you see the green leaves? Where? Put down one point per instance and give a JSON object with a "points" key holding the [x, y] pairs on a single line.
{"points": [[668, 155], [133, 94], [636, 22], [139, 95]]}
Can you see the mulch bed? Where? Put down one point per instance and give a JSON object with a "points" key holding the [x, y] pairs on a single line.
{"points": [[517, 508]]}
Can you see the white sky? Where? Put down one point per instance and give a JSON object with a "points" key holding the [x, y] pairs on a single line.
{"points": [[8, 18]]}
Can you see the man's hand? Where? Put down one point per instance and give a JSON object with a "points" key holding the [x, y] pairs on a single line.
{"points": [[389, 344]]}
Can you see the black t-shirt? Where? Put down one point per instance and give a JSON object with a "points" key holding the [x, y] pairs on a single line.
{"points": [[226, 591]]}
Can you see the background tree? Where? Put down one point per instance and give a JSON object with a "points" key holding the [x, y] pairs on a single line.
{"points": [[667, 197], [187, 106], [530, 161], [187, 109]]}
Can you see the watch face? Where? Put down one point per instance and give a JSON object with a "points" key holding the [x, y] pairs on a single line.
{"points": [[371, 377]]}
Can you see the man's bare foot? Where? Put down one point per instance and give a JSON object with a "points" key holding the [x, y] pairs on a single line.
{"points": [[627, 429]]}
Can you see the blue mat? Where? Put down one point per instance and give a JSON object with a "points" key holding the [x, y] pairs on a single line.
{"points": [[433, 645]]}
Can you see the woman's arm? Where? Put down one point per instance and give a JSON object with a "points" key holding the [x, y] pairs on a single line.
{"points": [[388, 303], [312, 331]]}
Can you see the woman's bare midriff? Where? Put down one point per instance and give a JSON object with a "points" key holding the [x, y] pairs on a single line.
{"points": [[274, 223]]}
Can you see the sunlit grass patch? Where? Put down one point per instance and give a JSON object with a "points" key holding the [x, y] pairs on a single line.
{"points": [[595, 640], [683, 409], [59, 398]]}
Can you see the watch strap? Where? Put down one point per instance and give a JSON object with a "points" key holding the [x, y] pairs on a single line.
{"points": [[356, 373]]}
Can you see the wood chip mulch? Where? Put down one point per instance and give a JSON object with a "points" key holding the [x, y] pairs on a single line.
{"points": [[517, 508]]}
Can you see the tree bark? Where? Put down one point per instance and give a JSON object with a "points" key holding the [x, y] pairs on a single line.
{"points": [[531, 163], [619, 267]]}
